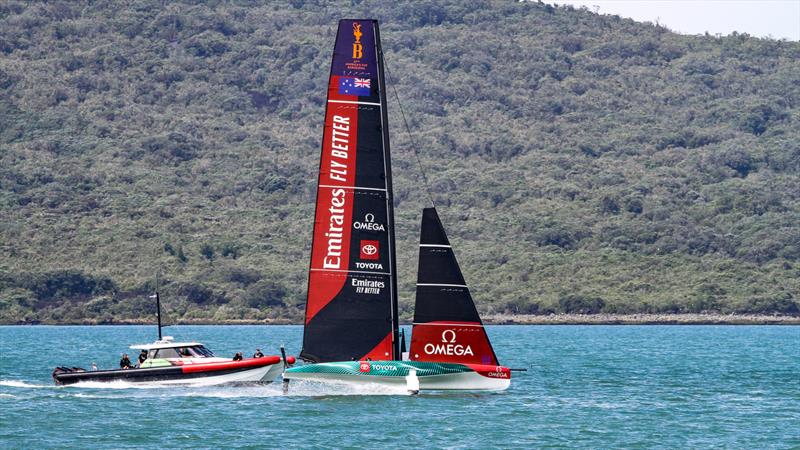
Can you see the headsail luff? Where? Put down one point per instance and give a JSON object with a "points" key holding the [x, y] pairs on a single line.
{"points": [[447, 327], [351, 307]]}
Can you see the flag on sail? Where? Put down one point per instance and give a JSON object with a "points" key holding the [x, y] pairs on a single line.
{"points": [[354, 86]]}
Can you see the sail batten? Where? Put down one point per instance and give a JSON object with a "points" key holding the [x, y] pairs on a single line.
{"points": [[351, 302]]}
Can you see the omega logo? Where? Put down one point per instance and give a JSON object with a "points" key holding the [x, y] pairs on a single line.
{"points": [[448, 346]]}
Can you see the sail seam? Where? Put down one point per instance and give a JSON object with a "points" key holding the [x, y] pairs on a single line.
{"points": [[351, 102], [450, 324], [442, 285], [350, 271], [352, 187]]}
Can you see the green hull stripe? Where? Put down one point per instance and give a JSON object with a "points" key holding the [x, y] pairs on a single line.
{"points": [[381, 368]]}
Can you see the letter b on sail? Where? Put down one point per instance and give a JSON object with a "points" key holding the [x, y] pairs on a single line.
{"points": [[358, 49]]}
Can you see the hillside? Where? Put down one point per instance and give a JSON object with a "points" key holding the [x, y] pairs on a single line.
{"points": [[582, 163]]}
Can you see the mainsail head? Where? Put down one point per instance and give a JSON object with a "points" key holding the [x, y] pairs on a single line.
{"points": [[351, 307], [447, 327]]}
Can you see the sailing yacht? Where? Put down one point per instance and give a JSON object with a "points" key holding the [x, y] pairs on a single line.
{"points": [[351, 323]]}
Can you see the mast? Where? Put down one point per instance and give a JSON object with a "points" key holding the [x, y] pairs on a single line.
{"points": [[158, 308], [389, 195]]}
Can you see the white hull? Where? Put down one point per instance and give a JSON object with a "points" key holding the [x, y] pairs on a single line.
{"points": [[465, 381], [266, 374]]}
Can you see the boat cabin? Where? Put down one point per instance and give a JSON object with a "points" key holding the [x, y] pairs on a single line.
{"points": [[167, 349]]}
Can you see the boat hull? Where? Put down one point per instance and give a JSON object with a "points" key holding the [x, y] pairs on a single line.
{"points": [[259, 370], [431, 376]]}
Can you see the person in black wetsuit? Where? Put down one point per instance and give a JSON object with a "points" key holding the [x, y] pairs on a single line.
{"points": [[237, 356], [258, 354], [125, 362], [142, 357]]}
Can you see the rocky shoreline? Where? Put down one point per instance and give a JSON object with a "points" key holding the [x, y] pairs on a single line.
{"points": [[521, 319], [641, 319]]}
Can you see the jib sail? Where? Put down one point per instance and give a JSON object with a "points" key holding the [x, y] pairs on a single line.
{"points": [[447, 327], [351, 308]]}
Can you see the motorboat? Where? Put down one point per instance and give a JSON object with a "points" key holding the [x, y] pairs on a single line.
{"points": [[169, 362]]}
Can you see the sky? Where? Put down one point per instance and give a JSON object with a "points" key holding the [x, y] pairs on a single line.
{"points": [[779, 19]]}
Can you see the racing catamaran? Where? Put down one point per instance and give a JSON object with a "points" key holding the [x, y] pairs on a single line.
{"points": [[351, 325]]}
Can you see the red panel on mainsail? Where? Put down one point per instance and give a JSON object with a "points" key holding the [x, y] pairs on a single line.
{"points": [[330, 254], [351, 307]]}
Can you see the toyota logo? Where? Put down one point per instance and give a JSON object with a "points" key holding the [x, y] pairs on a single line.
{"points": [[369, 249]]}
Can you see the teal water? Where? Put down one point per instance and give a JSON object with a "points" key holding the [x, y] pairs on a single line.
{"points": [[587, 387]]}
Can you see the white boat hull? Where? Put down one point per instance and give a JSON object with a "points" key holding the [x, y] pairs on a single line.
{"points": [[431, 376], [265, 374]]}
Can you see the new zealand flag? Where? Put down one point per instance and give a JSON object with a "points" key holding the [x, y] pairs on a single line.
{"points": [[354, 86]]}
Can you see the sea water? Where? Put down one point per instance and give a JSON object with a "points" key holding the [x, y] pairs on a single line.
{"points": [[585, 387]]}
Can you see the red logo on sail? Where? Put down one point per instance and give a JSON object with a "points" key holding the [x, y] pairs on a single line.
{"points": [[369, 250]]}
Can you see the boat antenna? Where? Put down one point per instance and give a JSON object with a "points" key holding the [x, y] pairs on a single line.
{"points": [[158, 306], [410, 136]]}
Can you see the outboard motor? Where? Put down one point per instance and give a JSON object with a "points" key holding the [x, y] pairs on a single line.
{"points": [[62, 370]]}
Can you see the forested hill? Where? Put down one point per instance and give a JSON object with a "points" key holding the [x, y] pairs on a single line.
{"points": [[581, 163]]}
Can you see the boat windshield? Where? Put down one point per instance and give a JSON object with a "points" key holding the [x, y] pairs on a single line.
{"points": [[165, 353], [199, 351], [195, 351]]}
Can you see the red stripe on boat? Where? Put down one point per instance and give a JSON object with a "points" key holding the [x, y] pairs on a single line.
{"points": [[229, 365], [491, 371]]}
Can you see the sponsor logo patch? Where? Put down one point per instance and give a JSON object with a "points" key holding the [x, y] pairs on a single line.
{"points": [[367, 286], [369, 250], [364, 366], [499, 372], [369, 224], [448, 346]]}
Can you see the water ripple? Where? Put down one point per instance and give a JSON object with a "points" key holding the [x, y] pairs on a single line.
{"points": [[587, 387]]}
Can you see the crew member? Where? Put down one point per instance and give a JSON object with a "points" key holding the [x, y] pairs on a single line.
{"points": [[142, 357], [125, 362], [237, 356], [258, 354]]}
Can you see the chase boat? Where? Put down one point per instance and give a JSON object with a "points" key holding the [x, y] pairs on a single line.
{"points": [[170, 362], [351, 332]]}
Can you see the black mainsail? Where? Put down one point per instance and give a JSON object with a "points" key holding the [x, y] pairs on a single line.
{"points": [[351, 309]]}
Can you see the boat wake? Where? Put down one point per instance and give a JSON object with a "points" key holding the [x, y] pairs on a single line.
{"points": [[22, 384], [297, 388], [302, 388]]}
